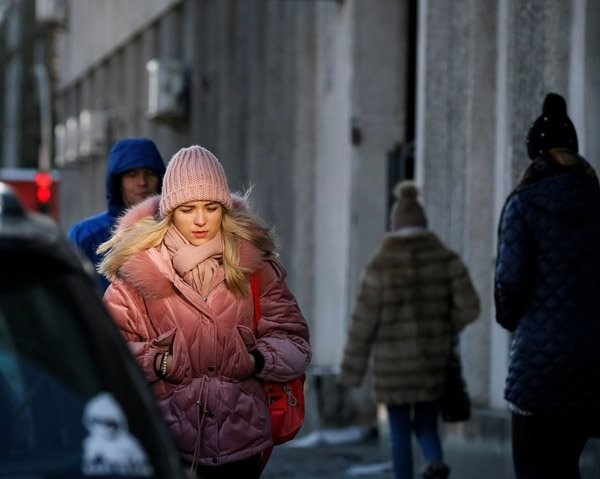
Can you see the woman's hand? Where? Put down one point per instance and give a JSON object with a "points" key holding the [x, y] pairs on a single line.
{"points": [[162, 367]]}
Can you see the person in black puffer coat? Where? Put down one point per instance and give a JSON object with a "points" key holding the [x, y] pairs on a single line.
{"points": [[547, 292]]}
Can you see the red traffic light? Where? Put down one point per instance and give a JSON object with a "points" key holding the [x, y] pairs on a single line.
{"points": [[43, 187]]}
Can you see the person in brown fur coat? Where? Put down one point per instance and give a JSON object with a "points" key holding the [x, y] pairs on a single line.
{"points": [[415, 296]]}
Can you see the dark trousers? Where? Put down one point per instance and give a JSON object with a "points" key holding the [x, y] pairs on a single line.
{"points": [[547, 447], [246, 468]]}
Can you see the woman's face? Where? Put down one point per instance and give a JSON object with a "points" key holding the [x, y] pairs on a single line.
{"points": [[198, 221]]}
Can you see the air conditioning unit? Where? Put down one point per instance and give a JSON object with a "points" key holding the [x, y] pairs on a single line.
{"points": [[93, 133], [51, 12], [167, 90]]}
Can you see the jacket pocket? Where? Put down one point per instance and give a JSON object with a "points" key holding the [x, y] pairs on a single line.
{"points": [[237, 363]]}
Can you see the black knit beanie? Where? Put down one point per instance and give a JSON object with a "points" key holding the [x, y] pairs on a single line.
{"points": [[553, 129]]}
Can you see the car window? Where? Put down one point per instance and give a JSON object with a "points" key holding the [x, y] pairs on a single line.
{"points": [[72, 403]]}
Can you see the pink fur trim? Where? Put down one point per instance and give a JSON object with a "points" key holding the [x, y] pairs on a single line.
{"points": [[148, 207], [141, 272]]}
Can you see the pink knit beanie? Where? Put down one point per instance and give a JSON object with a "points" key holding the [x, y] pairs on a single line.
{"points": [[193, 174]]}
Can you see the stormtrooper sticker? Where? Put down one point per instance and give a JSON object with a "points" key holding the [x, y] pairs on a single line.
{"points": [[109, 448]]}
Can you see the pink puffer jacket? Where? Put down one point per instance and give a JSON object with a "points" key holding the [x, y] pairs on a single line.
{"points": [[211, 398]]}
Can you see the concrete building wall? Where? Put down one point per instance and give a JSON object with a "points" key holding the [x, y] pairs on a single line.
{"points": [[379, 116], [100, 28], [455, 150], [588, 105]]}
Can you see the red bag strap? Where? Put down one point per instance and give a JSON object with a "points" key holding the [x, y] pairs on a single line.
{"points": [[256, 296]]}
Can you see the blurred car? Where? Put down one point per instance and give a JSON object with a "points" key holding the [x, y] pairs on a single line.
{"points": [[73, 401]]}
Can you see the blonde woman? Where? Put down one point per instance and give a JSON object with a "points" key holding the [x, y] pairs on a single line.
{"points": [[180, 267]]}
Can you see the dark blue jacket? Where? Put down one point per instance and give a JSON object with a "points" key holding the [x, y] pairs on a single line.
{"points": [[547, 287], [126, 155]]}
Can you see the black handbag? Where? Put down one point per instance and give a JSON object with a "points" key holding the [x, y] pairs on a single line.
{"points": [[455, 404]]}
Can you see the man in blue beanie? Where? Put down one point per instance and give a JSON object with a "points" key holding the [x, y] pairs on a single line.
{"points": [[135, 171]]}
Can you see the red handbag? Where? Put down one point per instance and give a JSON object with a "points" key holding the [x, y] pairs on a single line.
{"points": [[285, 400], [286, 407]]}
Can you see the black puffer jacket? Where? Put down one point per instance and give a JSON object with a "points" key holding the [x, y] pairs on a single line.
{"points": [[547, 287]]}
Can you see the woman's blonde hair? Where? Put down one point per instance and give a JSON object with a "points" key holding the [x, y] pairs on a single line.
{"points": [[238, 224]]}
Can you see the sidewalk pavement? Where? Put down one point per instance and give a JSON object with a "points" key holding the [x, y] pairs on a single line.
{"points": [[474, 450], [358, 452], [331, 454], [366, 457]]}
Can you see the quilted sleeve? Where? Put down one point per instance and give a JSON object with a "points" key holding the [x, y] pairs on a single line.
{"points": [[513, 281], [129, 313], [282, 332]]}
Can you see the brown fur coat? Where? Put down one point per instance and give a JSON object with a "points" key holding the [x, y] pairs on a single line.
{"points": [[415, 293]]}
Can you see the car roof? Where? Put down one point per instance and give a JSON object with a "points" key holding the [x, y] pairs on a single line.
{"points": [[31, 239], [23, 231]]}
